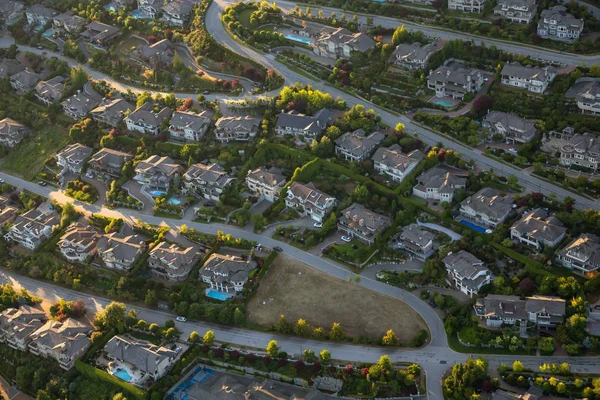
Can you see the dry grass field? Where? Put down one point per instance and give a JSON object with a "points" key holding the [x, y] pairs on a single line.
{"points": [[298, 291]]}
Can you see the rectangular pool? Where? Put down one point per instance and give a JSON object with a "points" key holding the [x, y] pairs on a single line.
{"points": [[472, 226], [213, 294], [157, 193], [298, 39], [443, 103]]}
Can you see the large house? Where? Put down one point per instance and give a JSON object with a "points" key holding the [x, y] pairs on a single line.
{"points": [[32, 228], [150, 7], [511, 126], [64, 341], [229, 129], [226, 273], [150, 360], [68, 23], [394, 164], [532, 79], [454, 79], [358, 222], [187, 125], [78, 243], [172, 262], [100, 35], [111, 111], [108, 162], [538, 230], [487, 207], [12, 132], [340, 42], [265, 183], [517, 11], [413, 56], [206, 181], [177, 12], [146, 120], [471, 6], [157, 173], [308, 200], [557, 23], [466, 272], [17, 325], [158, 55], [416, 241], [9, 67], [543, 311], [119, 251], [11, 11], [357, 146], [440, 183], [582, 255], [50, 91], [24, 81], [586, 93], [73, 157], [582, 150], [39, 15], [294, 123], [81, 103], [7, 212]]}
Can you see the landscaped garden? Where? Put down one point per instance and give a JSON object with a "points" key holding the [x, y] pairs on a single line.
{"points": [[82, 191]]}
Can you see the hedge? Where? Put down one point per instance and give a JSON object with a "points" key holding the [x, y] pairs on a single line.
{"points": [[268, 261], [95, 373], [99, 344]]}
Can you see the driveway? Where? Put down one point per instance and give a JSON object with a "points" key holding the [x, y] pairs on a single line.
{"points": [[413, 265], [296, 223], [135, 190], [453, 235], [99, 186]]}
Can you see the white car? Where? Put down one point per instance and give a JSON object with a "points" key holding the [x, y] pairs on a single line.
{"points": [[318, 225], [346, 239], [181, 319]]}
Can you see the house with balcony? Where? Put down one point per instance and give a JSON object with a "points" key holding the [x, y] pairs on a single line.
{"points": [[487, 207], [8, 213], [39, 15], [11, 11], [64, 341], [466, 272], [416, 241], [78, 243], [68, 23], [111, 111], [581, 255], [392, 163], [158, 55], [244, 129], [440, 183], [516, 11], [307, 200], [12, 132], [157, 173], [147, 120], [17, 324], [9, 67], [301, 125], [413, 56], [119, 251], [514, 128], [557, 24], [582, 150], [73, 157], [150, 360], [24, 81], [173, 261], [357, 146], [32, 228], [189, 126], [532, 79], [266, 183], [226, 273], [108, 162], [50, 91], [340, 42], [454, 80], [543, 311], [79, 105], [207, 181], [150, 7], [177, 12], [363, 224], [100, 35], [586, 93], [470, 6], [538, 230]]}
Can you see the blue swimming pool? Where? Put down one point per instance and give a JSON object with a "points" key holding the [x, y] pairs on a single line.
{"points": [[110, 7], [442, 102], [47, 33], [200, 375], [213, 294], [157, 193], [298, 39], [123, 375], [174, 201], [473, 226]]}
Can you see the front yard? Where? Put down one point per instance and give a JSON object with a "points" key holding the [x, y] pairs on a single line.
{"points": [[353, 253]]}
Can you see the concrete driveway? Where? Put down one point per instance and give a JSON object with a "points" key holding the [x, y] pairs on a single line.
{"points": [[99, 186], [135, 190]]}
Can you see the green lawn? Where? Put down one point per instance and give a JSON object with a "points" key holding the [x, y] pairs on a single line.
{"points": [[28, 158], [244, 18]]}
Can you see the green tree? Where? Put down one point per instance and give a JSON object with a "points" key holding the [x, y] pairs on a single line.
{"points": [[400, 35], [273, 349], [301, 328], [111, 315], [309, 355], [390, 339], [325, 356], [518, 367], [360, 194], [151, 298], [154, 328], [283, 325], [385, 363], [336, 332], [209, 338], [194, 337]]}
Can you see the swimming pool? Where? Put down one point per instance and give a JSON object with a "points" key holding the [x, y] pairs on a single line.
{"points": [[213, 294], [472, 226], [123, 375], [199, 375], [47, 33], [110, 7], [443, 103], [157, 193], [298, 39], [174, 201]]}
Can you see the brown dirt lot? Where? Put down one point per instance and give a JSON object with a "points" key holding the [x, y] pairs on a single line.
{"points": [[299, 291]]}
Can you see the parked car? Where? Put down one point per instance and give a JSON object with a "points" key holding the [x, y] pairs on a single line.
{"points": [[181, 319], [278, 249], [1, 180], [346, 239], [318, 225], [42, 183], [432, 303]]}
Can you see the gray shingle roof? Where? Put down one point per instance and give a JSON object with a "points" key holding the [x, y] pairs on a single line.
{"points": [[227, 268], [112, 108], [537, 225], [358, 216], [145, 114], [561, 16], [489, 202], [139, 353], [515, 69], [212, 174], [190, 120], [271, 177], [357, 142], [393, 157]]}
